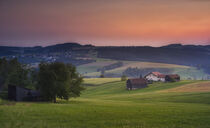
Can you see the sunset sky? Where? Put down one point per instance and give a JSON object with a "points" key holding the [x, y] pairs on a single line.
{"points": [[104, 22]]}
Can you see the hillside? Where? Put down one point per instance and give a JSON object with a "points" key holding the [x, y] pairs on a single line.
{"points": [[89, 59], [106, 103], [173, 54], [186, 72]]}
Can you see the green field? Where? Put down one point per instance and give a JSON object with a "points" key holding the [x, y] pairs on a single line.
{"points": [[90, 69], [107, 104]]}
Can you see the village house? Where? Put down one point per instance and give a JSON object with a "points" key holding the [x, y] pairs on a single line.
{"points": [[155, 76], [16, 93], [172, 78], [136, 83]]}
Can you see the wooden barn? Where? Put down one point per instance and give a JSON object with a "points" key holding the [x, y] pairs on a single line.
{"points": [[16, 93], [155, 76], [137, 83], [172, 78]]}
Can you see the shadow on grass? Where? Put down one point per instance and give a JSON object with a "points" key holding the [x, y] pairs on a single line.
{"points": [[6, 102], [71, 101]]}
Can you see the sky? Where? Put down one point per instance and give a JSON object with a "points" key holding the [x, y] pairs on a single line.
{"points": [[104, 22]]}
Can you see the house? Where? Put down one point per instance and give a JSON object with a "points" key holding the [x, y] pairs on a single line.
{"points": [[17, 93], [136, 83], [172, 78], [155, 76]]}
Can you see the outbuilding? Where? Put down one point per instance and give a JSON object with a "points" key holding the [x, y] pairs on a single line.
{"points": [[136, 83], [17, 93], [172, 78]]}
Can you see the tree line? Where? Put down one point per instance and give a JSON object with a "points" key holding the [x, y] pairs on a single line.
{"points": [[53, 80]]}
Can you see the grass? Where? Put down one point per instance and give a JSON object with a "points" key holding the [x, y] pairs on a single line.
{"points": [[100, 81], [92, 67], [109, 105], [90, 70], [196, 87]]}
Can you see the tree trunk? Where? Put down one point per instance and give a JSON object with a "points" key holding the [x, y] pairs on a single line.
{"points": [[54, 99]]}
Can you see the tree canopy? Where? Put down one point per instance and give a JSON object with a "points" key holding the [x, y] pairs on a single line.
{"points": [[13, 72], [59, 80], [53, 80]]}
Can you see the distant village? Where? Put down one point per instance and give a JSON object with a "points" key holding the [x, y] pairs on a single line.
{"points": [[33, 59], [142, 82]]}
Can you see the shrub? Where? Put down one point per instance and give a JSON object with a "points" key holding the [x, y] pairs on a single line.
{"points": [[123, 78]]}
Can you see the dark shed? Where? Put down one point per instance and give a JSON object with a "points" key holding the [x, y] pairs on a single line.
{"points": [[172, 78], [16, 93], [137, 83]]}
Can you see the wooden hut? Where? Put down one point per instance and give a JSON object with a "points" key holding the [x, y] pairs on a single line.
{"points": [[136, 83], [17, 93], [172, 78]]}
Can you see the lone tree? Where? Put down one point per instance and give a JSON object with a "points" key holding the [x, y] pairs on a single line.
{"points": [[102, 73], [59, 80], [123, 78]]}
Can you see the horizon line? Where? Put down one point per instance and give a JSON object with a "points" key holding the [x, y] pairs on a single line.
{"points": [[104, 45]]}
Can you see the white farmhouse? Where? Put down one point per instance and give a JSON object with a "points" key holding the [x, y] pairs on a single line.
{"points": [[155, 76]]}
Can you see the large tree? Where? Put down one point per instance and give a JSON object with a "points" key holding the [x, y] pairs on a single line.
{"points": [[59, 80], [13, 72]]}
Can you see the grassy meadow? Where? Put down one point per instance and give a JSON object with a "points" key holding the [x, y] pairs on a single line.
{"points": [[107, 104], [90, 69]]}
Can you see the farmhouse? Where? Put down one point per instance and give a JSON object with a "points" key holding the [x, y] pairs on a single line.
{"points": [[137, 83], [172, 78], [155, 76], [16, 93]]}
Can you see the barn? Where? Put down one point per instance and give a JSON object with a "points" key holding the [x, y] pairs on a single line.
{"points": [[136, 83], [16, 93], [172, 78], [155, 76]]}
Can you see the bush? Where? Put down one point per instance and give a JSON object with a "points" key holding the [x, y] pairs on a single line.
{"points": [[123, 78], [3, 95], [102, 76]]}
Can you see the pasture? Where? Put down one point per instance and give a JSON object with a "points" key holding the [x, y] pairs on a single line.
{"points": [[107, 104], [90, 69]]}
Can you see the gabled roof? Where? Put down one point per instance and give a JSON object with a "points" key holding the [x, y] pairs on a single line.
{"points": [[158, 74], [138, 81], [173, 76]]}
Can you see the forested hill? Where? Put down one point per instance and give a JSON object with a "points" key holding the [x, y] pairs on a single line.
{"points": [[174, 53]]}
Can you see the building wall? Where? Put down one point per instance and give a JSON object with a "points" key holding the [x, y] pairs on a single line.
{"points": [[21, 93], [162, 79], [131, 86], [139, 86], [12, 92], [152, 77]]}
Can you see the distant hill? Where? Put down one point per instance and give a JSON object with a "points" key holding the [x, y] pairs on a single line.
{"points": [[174, 54], [190, 55], [7, 50]]}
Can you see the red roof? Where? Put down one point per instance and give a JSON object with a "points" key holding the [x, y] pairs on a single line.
{"points": [[158, 74]]}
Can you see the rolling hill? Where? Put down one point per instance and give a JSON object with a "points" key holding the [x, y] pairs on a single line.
{"points": [[190, 61], [106, 103], [186, 72], [172, 54]]}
